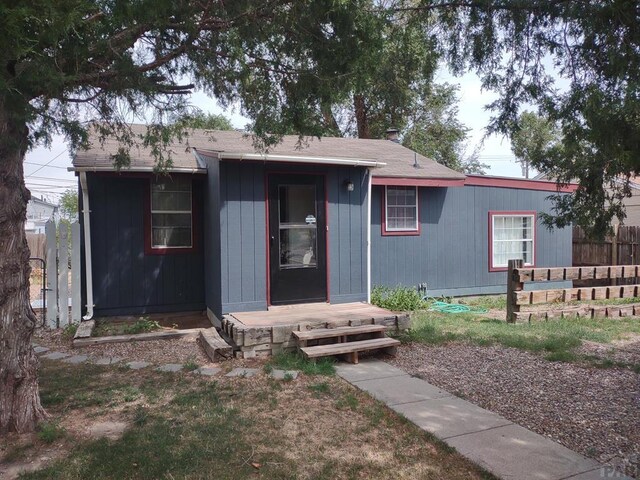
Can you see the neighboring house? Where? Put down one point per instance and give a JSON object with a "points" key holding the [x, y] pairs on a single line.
{"points": [[39, 212], [232, 229], [631, 204]]}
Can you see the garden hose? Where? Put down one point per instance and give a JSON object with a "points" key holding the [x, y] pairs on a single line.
{"points": [[444, 307]]}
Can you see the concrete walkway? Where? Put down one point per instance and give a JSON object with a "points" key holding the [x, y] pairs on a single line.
{"points": [[507, 450]]}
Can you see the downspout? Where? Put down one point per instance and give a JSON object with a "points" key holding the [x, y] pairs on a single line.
{"points": [[369, 174], [86, 224]]}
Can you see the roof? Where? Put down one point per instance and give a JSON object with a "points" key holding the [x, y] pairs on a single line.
{"points": [[392, 159], [43, 202]]}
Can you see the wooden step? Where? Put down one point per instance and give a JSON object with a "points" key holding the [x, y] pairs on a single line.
{"points": [[320, 333], [214, 344], [351, 349]]}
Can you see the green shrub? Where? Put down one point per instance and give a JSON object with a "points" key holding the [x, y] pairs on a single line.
{"points": [[191, 365], [69, 331], [398, 299], [141, 326], [295, 361], [49, 432]]}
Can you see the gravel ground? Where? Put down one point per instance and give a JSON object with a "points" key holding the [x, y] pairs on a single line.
{"points": [[179, 350], [593, 411]]}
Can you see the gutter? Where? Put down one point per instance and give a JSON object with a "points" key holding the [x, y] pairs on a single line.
{"points": [[86, 227], [369, 175], [266, 157], [136, 169]]}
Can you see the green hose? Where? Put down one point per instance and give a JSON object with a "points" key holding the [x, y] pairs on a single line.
{"points": [[444, 307]]}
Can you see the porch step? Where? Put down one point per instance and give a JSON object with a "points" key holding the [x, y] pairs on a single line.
{"points": [[214, 344], [351, 349], [322, 333]]}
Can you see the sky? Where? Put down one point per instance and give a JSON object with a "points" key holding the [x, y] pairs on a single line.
{"points": [[46, 172]]}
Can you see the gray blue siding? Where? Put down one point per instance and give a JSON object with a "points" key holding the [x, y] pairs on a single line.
{"points": [[451, 254], [243, 233], [126, 281]]}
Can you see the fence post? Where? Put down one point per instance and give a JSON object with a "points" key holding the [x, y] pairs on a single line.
{"points": [[52, 275], [63, 274], [513, 286], [614, 251], [76, 299]]}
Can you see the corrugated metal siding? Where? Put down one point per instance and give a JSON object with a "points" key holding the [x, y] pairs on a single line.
{"points": [[452, 252], [125, 280], [243, 233]]}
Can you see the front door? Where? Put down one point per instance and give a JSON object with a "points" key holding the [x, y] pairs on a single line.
{"points": [[297, 240]]}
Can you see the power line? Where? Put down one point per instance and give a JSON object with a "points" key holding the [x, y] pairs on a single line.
{"points": [[46, 164], [56, 179]]}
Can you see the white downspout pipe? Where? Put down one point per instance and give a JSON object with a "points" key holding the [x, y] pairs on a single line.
{"points": [[86, 227], [369, 175]]}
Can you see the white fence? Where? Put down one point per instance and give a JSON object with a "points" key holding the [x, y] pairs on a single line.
{"points": [[63, 297]]}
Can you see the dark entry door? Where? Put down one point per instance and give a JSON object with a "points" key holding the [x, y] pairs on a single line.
{"points": [[297, 240]]}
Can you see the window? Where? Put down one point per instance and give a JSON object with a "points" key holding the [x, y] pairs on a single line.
{"points": [[171, 214], [401, 211], [512, 237]]}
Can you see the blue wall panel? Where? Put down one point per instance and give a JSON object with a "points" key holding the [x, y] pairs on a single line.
{"points": [[126, 281], [243, 233], [451, 254]]}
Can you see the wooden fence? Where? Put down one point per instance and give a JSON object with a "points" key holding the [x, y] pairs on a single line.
{"points": [[621, 248], [63, 298], [37, 244], [517, 276]]}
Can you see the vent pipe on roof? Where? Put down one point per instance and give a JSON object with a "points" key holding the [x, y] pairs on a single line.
{"points": [[393, 134]]}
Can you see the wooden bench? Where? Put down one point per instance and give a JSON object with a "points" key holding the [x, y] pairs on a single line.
{"points": [[351, 349], [341, 333]]}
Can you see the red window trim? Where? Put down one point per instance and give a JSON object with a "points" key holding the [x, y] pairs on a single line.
{"points": [[399, 233], [148, 248], [514, 213]]}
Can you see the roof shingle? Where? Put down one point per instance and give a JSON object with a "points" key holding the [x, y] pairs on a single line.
{"points": [[399, 160]]}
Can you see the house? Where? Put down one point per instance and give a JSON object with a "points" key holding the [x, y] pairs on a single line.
{"points": [[631, 203], [39, 211], [231, 229]]}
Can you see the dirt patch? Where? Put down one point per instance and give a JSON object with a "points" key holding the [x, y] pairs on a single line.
{"points": [[176, 350], [25, 453], [593, 411], [625, 351], [108, 429]]}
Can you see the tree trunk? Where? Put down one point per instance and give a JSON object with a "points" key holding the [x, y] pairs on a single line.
{"points": [[20, 408], [362, 120]]}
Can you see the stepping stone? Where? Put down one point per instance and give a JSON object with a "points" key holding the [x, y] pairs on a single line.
{"points": [[282, 374], [137, 365], [242, 372], [401, 389], [170, 367], [107, 360], [368, 370], [40, 350], [56, 355], [515, 452], [207, 371], [76, 359], [450, 416]]}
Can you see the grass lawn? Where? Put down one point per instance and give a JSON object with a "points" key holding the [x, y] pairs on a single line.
{"points": [[557, 339], [183, 426]]}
